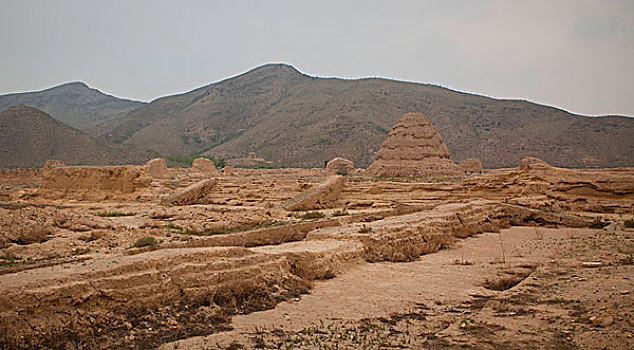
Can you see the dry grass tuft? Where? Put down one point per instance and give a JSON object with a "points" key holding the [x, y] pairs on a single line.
{"points": [[145, 242], [365, 229], [342, 212], [312, 215]]}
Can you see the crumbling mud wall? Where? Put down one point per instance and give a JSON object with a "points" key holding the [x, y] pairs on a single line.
{"points": [[152, 299], [410, 236], [537, 184], [84, 182], [20, 175]]}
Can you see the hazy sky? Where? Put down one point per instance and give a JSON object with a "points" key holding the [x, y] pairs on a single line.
{"points": [[577, 55]]}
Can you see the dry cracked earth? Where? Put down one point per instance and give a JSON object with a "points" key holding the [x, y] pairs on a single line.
{"points": [[535, 257]]}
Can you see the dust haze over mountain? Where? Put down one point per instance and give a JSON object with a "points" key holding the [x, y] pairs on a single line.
{"points": [[572, 54], [575, 55]]}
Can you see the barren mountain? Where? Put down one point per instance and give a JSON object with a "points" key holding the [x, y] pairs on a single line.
{"points": [[30, 137], [299, 120], [74, 104]]}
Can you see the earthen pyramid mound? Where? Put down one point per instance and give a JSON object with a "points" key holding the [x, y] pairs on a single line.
{"points": [[414, 148]]}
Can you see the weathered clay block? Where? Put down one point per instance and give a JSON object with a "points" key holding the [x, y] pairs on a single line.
{"points": [[532, 162], [194, 194], [324, 195], [471, 165], [156, 168], [340, 165], [112, 179], [206, 166]]}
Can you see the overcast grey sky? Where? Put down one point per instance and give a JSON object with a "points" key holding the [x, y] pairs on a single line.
{"points": [[577, 54]]}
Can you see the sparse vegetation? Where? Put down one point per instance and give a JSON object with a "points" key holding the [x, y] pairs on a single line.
{"points": [[340, 212], [187, 160], [312, 215], [629, 223], [173, 226], [381, 130], [365, 229], [145, 242], [223, 230], [111, 214]]}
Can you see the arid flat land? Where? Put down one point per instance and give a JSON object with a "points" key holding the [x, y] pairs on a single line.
{"points": [[130, 256]]}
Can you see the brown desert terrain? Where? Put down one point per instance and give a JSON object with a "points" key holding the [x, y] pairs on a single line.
{"points": [[449, 256]]}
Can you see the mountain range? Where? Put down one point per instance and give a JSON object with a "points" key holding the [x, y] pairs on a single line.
{"points": [[299, 120], [30, 137], [74, 104]]}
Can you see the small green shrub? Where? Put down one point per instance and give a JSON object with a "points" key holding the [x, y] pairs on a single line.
{"points": [[187, 160], [145, 242], [629, 223], [173, 226]]}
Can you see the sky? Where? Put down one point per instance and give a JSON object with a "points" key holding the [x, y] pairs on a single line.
{"points": [[577, 55]]}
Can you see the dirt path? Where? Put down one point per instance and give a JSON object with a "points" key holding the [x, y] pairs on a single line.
{"points": [[444, 286]]}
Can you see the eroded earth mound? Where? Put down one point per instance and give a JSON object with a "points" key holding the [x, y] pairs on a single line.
{"points": [[414, 148]]}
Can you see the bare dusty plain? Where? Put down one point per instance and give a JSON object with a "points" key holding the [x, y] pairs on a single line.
{"points": [[533, 257]]}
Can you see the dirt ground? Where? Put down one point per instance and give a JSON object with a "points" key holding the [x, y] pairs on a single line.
{"points": [[440, 301], [514, 258]]}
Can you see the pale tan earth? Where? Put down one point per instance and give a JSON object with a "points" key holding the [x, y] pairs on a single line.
{"points": [[102, 258], [414, 148], [340, 165], [471, 165]]}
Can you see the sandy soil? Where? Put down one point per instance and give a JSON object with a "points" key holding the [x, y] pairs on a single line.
{"points": [[440, 300], [515, 258]]}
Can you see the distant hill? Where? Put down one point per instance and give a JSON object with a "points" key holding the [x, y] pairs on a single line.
{"points": [[286, 116], [30, 137], [74, 104]]}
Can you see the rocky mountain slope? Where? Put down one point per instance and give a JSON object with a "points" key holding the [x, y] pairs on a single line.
{"points": [[30, 137], [299, 120], [74, 104]]}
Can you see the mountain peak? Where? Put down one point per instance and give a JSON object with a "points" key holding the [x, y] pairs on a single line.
{"points": [[72, 85], [75, 84], [276, 69]]}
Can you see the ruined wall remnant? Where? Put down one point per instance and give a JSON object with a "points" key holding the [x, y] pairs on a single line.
{"points": [[206, 166], [471, 165], [324, 195], [20, 175], [94, 181], [156, 168], [194, 194], [341, 165]]}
